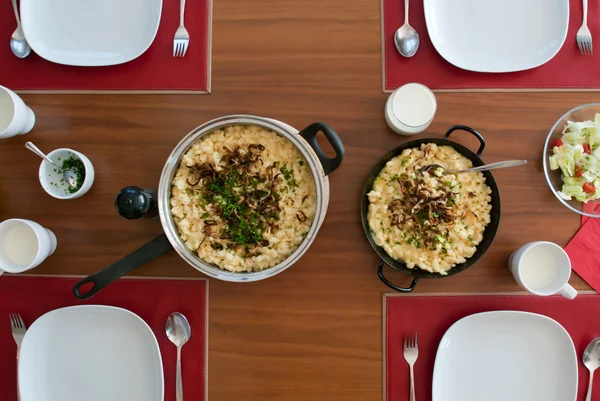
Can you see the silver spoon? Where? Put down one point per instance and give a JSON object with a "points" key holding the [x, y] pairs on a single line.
{"points": [[485, 167], [69, 175], [179, 332], [591, 360], [18, 44], [406, 38]]}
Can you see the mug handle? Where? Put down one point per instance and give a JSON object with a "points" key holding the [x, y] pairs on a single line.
{"points": [[568, 292]]}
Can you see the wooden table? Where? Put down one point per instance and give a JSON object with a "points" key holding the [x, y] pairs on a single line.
{"points": [[313, 332]]}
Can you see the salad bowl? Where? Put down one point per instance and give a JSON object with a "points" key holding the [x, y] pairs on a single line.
{"points": [[571, 159]]}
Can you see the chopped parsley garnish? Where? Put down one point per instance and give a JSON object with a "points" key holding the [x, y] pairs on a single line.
{"points": [[289, 176], [244, 200], [76, 165]]}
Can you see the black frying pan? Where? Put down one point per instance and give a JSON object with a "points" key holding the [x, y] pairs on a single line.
{"points": [[490, 230]]}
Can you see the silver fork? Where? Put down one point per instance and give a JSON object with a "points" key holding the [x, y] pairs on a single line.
{"points": [[584, 37], [411, 353], [182, 37], [18, 331]]}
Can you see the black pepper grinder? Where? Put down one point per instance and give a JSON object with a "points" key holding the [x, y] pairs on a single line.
{"points": [[134, 202]]}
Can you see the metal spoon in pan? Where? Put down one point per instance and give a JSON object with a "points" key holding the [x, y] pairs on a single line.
{"points": [[68, 174], [435, 168]]}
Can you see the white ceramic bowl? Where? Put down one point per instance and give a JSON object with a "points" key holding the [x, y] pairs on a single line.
{"points": [[51, 177]]}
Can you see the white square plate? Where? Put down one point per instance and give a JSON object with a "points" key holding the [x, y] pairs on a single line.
{"points": [[505, 355], [91, 353], [90, 32], [497, 35]]}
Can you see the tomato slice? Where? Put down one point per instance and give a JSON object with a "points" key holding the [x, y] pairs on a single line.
{"points": [[558, 142], [578, 171], [588, 188], [587, 149]]}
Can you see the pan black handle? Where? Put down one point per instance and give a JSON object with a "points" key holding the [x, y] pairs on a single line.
{"points": [[150, 251], [471, 131], [392, 285], [310, 135]]}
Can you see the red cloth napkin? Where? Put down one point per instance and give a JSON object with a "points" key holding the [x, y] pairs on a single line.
{"points": [[154, 70], [151, 299], [590, 207], [583, 249], [568, 69], [431, 316]]}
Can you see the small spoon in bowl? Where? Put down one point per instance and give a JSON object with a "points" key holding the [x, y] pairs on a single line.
{"points": [[434, 168], [591, 360], [69, 175]]}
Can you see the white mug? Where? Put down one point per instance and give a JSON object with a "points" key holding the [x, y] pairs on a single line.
{"points": [[24, 244], [542, 268], [16, 118]]}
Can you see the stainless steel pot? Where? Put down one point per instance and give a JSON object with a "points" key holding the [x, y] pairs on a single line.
{"points": [[305, 140]]}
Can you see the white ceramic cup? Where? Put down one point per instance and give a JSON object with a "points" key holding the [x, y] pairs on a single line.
{"points": [[16, 118], [24, 244], [542, 268]]}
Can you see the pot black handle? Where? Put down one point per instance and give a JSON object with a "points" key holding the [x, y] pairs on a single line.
{"points": [[471, 131], [392, 285], [310, 135], [150, 251]]}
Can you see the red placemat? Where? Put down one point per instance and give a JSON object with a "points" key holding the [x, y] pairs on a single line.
{"points": [[431, 316], [567, 70], [155, 70], [151, 299]]}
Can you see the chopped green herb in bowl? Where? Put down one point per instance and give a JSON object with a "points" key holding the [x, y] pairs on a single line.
{"points": [[75, 164], [53, 181]]}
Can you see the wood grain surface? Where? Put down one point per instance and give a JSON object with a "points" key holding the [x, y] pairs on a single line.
{"points": [[313, 332]]}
